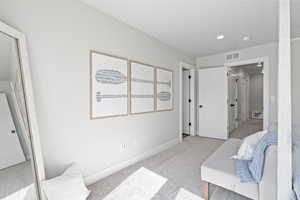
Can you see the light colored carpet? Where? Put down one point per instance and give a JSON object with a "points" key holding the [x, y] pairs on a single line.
{"points": [[223, 194], [142, 184], [180, 165], [186, 195], [247, 128]]}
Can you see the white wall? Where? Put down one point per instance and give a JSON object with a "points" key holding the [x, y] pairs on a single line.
{"points": [[295, 50], [4, 87], [295, 58], [5, 55], [60, 34], [269, 50], [256, 92], [9, 62]]}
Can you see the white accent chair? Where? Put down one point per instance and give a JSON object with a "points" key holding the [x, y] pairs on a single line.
{"points": [[219, 169]]}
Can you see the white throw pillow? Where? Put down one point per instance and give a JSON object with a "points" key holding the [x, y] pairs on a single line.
{"points": [[68, 186], [248, 146]]}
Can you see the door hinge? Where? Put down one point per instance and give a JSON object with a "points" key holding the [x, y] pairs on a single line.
{"points": [[190, 124], [190, 76], [190, 100]]}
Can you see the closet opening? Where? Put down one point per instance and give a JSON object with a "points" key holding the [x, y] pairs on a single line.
{"points": [[187, 113]]}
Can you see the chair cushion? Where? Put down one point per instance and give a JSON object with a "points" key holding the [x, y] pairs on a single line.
{"points": [[219, 169]]}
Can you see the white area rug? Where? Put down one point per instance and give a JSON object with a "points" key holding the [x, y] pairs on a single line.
{"points": [[186, 195], [141, 185]]}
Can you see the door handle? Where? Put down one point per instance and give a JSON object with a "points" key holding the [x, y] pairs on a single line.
{"points": [[232, 105], [13, 131], [200, 106]]}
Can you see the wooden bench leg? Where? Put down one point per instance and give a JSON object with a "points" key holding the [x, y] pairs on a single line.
{"points": [[205, 190]]}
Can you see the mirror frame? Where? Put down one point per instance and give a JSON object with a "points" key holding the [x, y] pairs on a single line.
{"points": [[37, 158]]}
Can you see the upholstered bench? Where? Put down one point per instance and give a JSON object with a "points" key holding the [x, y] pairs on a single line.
{"points": [[219, 169]]}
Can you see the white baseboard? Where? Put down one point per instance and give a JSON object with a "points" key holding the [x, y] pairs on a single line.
{"points": [[108, 171]]}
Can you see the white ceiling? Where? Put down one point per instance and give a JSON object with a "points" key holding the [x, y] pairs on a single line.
{"points": [[191, 26]]}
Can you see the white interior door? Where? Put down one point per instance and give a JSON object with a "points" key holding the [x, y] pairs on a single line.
{"points": [[212, 107], [185, 101], [10, 149]]}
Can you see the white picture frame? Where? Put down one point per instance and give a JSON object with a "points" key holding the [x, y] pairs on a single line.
{"points": [[142, 88], [164, 89], [108, 85]]}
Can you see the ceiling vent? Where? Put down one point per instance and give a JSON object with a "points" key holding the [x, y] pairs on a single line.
{"points": [[232, 56]]}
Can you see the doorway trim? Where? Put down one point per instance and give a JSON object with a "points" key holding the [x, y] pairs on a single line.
{"points": [[266, 82], [192, 68]]}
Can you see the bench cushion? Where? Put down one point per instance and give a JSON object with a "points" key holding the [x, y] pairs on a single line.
{"points": [[219, 169]]}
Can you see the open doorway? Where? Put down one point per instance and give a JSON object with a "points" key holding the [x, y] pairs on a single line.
{"points": [[187, 101], [245, 99]]}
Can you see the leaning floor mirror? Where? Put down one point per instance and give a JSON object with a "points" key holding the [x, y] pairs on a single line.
{"points": [[21, 163]]}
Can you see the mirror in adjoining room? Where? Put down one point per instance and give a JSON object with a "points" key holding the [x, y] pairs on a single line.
{"points": [[17, 173]]}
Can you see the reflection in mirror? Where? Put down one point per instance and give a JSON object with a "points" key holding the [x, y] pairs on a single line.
{"points": [[16, 172]]}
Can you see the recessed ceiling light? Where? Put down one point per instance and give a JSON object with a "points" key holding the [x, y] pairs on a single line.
{"points": [[220, 37], [246, 38]]}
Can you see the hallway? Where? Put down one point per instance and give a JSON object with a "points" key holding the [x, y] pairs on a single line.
{"points": [[247, 128]]}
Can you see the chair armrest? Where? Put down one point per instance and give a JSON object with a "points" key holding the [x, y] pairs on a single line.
{"points": [[268, 183]]}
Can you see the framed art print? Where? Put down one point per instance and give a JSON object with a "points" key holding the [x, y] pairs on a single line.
{"points": [[142, 88], [164, 89], [109, 85]]}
